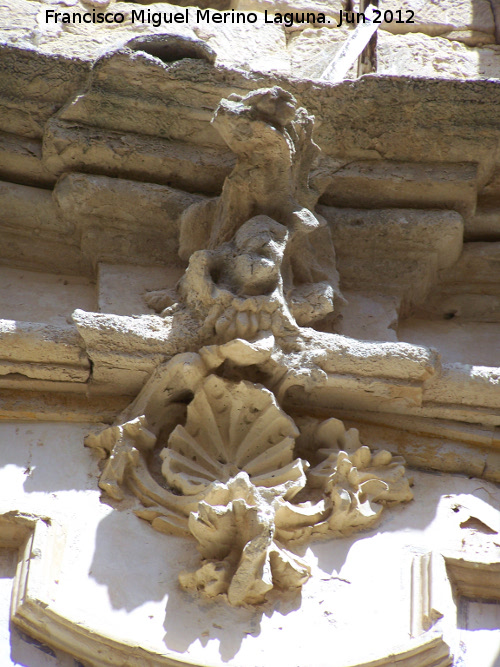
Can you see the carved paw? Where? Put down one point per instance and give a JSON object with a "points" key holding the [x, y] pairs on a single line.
{"points": [[238, 324], [158, 300]]}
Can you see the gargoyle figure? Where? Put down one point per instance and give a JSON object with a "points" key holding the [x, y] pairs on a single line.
{"points": [[238, 287], [272, 138]]}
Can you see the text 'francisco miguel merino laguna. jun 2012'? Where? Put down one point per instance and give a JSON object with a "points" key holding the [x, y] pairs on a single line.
{"points": [[288, 19]]}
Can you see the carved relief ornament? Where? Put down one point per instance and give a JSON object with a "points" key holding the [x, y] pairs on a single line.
{"points": [[206, 447]]}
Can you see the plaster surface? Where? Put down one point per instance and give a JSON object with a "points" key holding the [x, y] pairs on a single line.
{"points": [[122, 288], [116, 574], [16, 648], [453, 339], [479, 623], [42, 297]]}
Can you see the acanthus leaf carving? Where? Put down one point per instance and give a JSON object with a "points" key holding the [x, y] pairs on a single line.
{"points": [[231, 479]]}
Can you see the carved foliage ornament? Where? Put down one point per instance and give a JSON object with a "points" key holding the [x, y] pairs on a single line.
{"points": [[205, 447], [230, 478]]}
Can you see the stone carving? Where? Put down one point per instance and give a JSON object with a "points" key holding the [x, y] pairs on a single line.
{"points": [[206, 447], [239, 286], [263, 219], [231, 477], [231, 428]]}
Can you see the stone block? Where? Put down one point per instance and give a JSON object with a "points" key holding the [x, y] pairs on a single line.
{"points": [[122, 287], [42, 351], [489, 195], [34, 233], [25, 209], [379, 184], [486, 221], [141, 218], [312, 50], [492, 470], [419, 55], [70, 147], [465, 385], [168, 107], [368, 316], [422, 242], [470, 37], [248, 46], [31, 296], [32, 87], [21, 161], [256, 47], [331, 8], [453, 338], [468, 292], [436, 17], [479, 263], [437, 232], [484, 225]]}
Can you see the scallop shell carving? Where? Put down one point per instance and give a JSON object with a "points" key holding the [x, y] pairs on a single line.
{"points": [[233, 427]]}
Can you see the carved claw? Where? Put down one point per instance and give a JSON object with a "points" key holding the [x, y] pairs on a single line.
{"points": [[158, 300]]}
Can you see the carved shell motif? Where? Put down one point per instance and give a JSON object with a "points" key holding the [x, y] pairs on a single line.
{"points": [[232, 428]]}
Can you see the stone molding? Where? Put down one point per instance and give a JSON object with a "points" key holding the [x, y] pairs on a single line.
{"points": [[40, 543]]}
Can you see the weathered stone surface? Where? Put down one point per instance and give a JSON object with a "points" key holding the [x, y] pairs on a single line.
{"points": [[69, 147], [489, 195], [462, 384], [430, 452], [359, 130], [74, 39], [495, 7], [469, 291], [424, 241], [34, 87], [247, 46], [125, 350], [377, 184], [181, 118], [255, 47], [352, 126], [42, 351], [428, 231], [312, 49], [132, 207], [369, 316], [30, 296], [474, 435], [486, 222], [123, 288], [28, 209], [57, 402], [436, 17], [492, 470], [479, 263], [470, 37], [484, 225], [30, 213], [21, 161], [423, 56], [452, 336]]}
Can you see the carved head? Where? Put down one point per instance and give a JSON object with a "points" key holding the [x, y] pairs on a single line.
{"points": [[262, 235], [259, 246]]}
